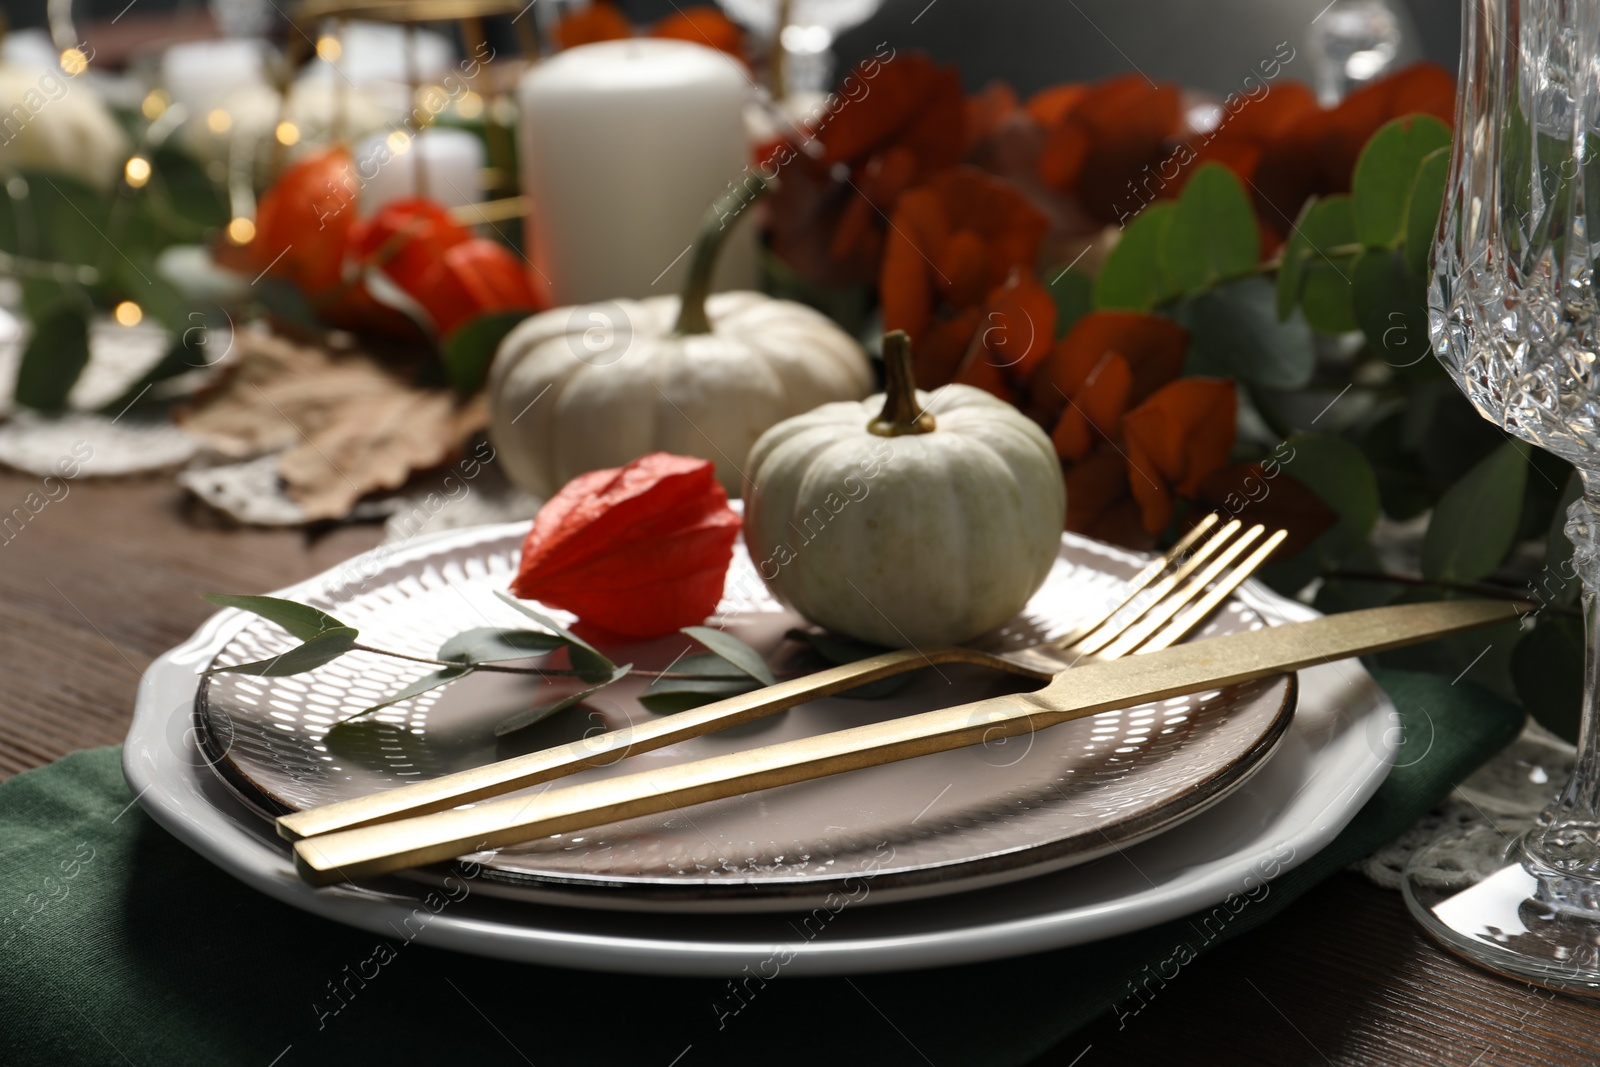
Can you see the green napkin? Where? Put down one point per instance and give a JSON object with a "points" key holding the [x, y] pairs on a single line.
{"points": [[120, 946]]}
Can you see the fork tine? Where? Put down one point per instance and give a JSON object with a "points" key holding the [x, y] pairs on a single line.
{"points": [[1085, 642], [1186, 623], [1157, 616], [1136, 585]]}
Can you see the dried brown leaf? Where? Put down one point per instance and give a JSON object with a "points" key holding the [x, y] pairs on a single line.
{"points": [[347, 426]]}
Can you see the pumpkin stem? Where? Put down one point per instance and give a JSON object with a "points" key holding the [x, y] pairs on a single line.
{"points": [[901, 414], [719, 219]]}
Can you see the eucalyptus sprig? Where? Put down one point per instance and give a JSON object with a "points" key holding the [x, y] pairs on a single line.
{"points": [[689, 681]]}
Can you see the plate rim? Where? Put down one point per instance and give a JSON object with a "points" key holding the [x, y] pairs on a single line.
{"points": [[169, 782]]}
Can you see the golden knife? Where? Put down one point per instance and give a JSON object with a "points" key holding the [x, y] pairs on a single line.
{"points": [[376, 849]]}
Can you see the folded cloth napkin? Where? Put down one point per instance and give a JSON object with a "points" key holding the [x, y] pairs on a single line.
{"points": [[118, 945]]}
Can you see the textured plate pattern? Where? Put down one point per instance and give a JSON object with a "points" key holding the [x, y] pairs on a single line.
{"points": [[950, 821]]}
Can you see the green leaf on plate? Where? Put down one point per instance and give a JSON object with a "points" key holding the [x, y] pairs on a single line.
{"points": [[712, 682], [840, 650], [1212, 236], [1475, 521], [1236, 332], [539, 712], [301, 620], [1386, 172], [1423, 207], [421, 685], [470, 348], [1132, 276], [735, 651], [1314, 273], [493, 644], [326, 647], [55, 356], [590, 663], [1073, 293]]}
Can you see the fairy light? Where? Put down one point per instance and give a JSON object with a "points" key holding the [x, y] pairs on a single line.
{"points": [[128, 313], [74, 62], [287, 133], [219, 121], [241, 231], [137, 171], [329, 48], [469, 105], [399, 142], [154, 104]]}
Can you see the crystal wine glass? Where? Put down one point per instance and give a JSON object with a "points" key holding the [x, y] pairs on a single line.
{"points": [[1513, 315]]}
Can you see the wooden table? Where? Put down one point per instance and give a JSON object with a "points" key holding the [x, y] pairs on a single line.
{"points": [[100, 582]]}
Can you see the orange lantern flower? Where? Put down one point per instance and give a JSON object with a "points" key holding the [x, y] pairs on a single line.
{"points": [[702, 24], [599, 21]]}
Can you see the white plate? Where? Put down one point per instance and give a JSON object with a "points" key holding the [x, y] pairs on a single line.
{"points": [[1331, 760]]}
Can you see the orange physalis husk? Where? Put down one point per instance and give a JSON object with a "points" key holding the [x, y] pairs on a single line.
{"points": [[641, 550], [1175, 440]]}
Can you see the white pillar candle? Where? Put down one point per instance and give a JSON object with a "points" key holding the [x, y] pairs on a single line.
{"points": [[451, 160], [624, 145], [197, 75]]}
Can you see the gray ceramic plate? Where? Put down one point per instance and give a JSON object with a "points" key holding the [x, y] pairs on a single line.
{"points": [[939, 824]]}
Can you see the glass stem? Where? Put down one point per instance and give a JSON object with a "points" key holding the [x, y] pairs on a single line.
{"points": [[1567, 839]]}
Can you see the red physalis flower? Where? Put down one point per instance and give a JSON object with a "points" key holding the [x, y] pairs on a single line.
{"points": [[702, 24], [640, 550], [600, 21], [302, 223]]}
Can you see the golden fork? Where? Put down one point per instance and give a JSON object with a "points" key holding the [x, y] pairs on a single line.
{"points": [[1179, 591]]}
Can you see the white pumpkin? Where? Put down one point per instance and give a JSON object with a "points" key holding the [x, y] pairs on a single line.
{"points": [[598, 385], [54, 122], [907, 519]]}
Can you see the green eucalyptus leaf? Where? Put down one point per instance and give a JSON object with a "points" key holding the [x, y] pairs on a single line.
{"points": [[840, 650], [1475, 521], [177, 360], [56, 354], [539, 712], [493, 644], [1423, 207], [470, 348], [1235, 332], [1315, 273], [735, 651], [421, 685], [590, 663], [1390, 304], [1073, 293], [669, 695], [301, 620], [326, 647], [1547, 667], [1404, 487], [1132, 276], [1386, 172], [1212, 236], [1338, 472]]}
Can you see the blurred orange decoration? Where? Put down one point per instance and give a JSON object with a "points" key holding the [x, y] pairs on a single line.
{"points": [[1101, 137], [308, 234], [603, 21]]}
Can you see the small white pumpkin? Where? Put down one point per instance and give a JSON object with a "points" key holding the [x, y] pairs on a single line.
{"points": [[598, 385], [54, 122], [908, 518]]}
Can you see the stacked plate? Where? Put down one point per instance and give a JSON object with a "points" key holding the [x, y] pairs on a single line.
{"points": [[1078, 832]]}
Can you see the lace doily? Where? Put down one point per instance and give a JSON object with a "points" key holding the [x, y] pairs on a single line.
{"points": [[1511, 788]]}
